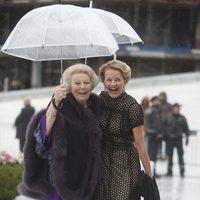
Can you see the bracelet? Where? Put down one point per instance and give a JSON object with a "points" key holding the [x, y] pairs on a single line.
{"points": [[51, 114], [55, 106]]}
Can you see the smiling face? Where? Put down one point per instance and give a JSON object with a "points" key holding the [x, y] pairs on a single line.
{"points": [[81, 87], [114, 82]]}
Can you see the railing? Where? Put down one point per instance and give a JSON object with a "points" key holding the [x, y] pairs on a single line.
{"points": [[192, 151], [8, 142]]}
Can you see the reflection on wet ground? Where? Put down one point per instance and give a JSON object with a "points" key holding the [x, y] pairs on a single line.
{"points": [[177, 188]]}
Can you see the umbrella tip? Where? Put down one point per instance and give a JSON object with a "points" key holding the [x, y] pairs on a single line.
{"points": [[114, 56], [90, 6]]}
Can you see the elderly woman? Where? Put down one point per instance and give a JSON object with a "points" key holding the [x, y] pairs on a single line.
{"points": [[62, 153], [121, 121]]}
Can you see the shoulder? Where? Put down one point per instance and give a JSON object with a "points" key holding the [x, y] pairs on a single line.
{"points": [[94, 103], [132, 106], [131, 99], [183, 117], [32, 108], [102, 94], [94, 100], [94, 97], [35, 119]]}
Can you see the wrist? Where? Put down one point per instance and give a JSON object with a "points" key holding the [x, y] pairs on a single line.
{"points": [[51, 114], [57, 105]]}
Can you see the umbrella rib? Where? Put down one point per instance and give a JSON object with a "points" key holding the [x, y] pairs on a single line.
{"points": [[61, 56], [45, 33], [60, 26], [75, 46], [88, 36]]}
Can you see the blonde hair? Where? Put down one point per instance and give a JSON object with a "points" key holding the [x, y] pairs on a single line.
{"points": [[122, 67], [79, 68]]}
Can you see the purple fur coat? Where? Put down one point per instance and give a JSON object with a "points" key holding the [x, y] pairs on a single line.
{"points": [[75, 134]]}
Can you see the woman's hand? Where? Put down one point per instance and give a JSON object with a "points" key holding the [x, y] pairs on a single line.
{"points": [[60, 93]]}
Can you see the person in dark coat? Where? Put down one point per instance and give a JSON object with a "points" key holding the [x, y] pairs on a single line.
{"points": [[63, 146], [22, 121], [176, 126], [153, 129], [165, 111]]}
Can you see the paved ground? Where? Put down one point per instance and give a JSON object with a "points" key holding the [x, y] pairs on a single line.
{"points": [[173, 188], [177, 188]]}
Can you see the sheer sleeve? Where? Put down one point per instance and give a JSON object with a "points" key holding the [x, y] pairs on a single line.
{"points": [[136, 115], [43, 143]]}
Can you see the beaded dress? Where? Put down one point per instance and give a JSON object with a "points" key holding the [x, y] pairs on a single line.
{"points": [[120, 160]]}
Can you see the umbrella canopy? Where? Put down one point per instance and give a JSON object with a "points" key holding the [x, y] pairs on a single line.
{"points": [[120, 29], [60, 32]]}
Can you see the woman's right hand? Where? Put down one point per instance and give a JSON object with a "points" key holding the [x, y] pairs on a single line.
{"points": [[60, 93]]}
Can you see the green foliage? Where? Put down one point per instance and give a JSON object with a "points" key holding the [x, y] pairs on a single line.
{"points": [[10, 176]]}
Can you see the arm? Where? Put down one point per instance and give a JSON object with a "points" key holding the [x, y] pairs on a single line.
{"points": [[43, 130], [141, 148], [60, 93], [186, 127], [186, 131]]}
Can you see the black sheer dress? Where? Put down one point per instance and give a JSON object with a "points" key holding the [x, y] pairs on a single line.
{"points": [[120, 160]]}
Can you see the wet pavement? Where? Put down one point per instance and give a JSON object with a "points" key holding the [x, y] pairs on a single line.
{"points": [[175, 187]]}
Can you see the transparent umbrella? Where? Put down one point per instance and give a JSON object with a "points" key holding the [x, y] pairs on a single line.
{"points": [[60, 32]]}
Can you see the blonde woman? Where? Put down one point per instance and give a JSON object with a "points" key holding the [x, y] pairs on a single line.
{"points": [[121, 121]]}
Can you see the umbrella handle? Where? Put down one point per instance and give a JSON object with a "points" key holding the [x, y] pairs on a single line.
{"points": [[61, 71], [91, 4], [86, 61], [114, 56]]}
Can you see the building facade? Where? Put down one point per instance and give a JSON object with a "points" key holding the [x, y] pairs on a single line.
{"points": [[170, 30]]}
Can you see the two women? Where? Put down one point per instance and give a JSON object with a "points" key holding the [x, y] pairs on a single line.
{"points": [[69, 135]]}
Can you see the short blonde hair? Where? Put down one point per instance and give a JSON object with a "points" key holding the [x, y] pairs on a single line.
{"points": [[122, 67], [79, 68]]}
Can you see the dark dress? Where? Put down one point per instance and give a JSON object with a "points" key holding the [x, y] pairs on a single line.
{"points": [[120, 160]]}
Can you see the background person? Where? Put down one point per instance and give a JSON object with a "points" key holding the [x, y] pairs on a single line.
{"points": [[121, 121], [22, 121], [153, 124], [62, 158], [176, 125], [165, 108]]}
